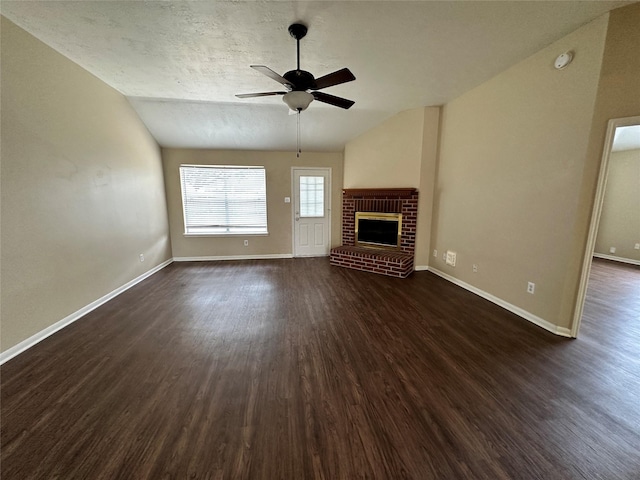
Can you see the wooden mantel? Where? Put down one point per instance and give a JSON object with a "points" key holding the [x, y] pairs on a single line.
{"points": [[379, 192]]}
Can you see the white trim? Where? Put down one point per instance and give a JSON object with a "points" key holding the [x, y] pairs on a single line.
{"points": [[617, 259], [51, 329], [598, 199], [267, 256], [562, 331], [421, 268], [241, 234]]}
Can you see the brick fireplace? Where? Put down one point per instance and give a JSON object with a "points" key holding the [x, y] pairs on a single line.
{"points": [[393, 262]]}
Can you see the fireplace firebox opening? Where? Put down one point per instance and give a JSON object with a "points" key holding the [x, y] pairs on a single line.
{"points": [[378, 230]]}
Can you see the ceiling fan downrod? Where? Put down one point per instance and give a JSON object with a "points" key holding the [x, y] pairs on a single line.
{"points": [[297, 31]]}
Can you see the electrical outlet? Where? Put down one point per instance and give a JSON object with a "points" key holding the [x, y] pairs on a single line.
{"points": [[444, 256], [435, 253], [636, 246], [531, 288], [141, 257], [612, 249], [475, 268], [246, 243], [450, 258]]}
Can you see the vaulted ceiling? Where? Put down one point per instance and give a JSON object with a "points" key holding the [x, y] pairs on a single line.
{"points": [[180, 64]]}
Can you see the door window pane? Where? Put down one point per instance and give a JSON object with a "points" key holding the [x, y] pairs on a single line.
{"points": [[311, 196]]}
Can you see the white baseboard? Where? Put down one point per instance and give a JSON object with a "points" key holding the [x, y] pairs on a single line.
{"points": [[421, 268], [51, 329], [617, 259], [233, 257], [561, 331]]}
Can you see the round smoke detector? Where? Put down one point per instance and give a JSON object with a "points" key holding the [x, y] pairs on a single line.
{"points": [[563, 60]]}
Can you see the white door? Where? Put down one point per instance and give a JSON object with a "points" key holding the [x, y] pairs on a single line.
{"points": [[311, 212]]}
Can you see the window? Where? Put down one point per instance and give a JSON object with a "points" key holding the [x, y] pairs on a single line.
{"points": [[311, 196], [223, 200]]}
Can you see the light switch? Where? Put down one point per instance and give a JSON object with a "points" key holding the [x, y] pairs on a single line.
{"points": [[287, 199]]}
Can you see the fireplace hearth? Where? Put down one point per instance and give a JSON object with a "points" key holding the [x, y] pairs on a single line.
{"points": [[378, 231]]}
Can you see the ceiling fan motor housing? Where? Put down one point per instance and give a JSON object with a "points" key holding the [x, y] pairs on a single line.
{"points": [[301, 80]]}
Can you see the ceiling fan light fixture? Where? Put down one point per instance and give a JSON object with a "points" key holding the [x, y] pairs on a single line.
{"points": [[297, 100]]}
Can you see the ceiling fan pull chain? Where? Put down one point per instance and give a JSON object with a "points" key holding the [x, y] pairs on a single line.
{"points": [[299, 149]]}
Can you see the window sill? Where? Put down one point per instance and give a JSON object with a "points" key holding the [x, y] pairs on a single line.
{"points": [[225, 234]]}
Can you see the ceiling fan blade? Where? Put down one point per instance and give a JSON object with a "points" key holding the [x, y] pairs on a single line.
{"points": [[264, 94], [335, 78], [271, 74], [333, 100]]}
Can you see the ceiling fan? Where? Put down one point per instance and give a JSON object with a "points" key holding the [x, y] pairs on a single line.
{"points": [[301, 86]]}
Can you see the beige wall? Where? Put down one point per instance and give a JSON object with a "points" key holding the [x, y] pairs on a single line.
{"points": [[428, 162], [279, 214], [388, 155], [82, 189], [620, 219], [511, 159], [400, 152]]}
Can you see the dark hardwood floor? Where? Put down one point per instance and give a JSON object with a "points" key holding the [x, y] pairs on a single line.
{"points": [[292, 369]]}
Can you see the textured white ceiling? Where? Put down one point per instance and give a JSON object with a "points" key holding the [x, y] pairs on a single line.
{"points": [[180, 63]]}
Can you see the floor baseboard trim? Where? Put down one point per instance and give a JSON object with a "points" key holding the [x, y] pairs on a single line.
{"points": [[69, 319], [555, 329], [421, 268], [617, 259], [233, 257]]}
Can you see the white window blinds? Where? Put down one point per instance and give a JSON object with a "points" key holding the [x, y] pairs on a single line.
{"points": [[223, 200]]}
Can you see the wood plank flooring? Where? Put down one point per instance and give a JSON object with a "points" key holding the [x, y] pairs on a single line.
{"points": [[292, 369]]}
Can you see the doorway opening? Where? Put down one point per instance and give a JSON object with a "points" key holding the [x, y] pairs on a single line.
{"points": [[619, 138]]}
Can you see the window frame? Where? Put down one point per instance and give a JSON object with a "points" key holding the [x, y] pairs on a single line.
{"points": [[227, 233]]}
